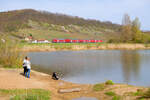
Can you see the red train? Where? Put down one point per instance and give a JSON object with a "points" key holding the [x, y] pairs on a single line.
{"points": [[75, 41]]}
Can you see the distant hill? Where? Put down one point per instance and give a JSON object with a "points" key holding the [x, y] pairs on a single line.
{"points": [[43, 24]]}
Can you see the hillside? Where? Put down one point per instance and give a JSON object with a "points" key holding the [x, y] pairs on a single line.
{"points": [[46, 25]]}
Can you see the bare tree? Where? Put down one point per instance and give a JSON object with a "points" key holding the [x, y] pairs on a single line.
{"points": [[126, 20], [126, 28]]}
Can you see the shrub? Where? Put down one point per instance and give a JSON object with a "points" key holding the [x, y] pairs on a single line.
{"points": [[98, 87], [110, 93], [23, 41], [109, 82], [116, 98], [138, 93], [145, 94]]}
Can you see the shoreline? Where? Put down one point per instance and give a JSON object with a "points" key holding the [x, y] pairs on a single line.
{"points": [[12, 79], [75, 47]]}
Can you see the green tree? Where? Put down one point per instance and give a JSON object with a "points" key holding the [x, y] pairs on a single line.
{"points": [[137, 35], [136, 23], [131, 30]]}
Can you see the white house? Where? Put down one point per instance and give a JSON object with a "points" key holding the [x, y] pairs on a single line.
{"points": [[40, 41]]}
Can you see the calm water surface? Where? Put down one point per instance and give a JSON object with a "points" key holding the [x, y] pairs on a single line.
{"points": [[96, 66]]}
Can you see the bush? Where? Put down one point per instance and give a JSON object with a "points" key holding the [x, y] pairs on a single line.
{"points": [[110, 93], [113, 41], [145, 94], [98, 87], [109, 82], [23, 41], [139, 92], [116, 98]]}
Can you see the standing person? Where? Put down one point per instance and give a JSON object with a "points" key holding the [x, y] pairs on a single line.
{"points": [[25, 64], [28, 67]]}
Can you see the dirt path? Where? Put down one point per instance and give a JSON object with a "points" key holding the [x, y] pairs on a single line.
{"points": [[13, 79]]}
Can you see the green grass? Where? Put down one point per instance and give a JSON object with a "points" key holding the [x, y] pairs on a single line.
{"points": [[110, 93], [98, 87], [60, 46], [142, 99], [116, 98], [138, 93], [50, 34], [26, 94]]}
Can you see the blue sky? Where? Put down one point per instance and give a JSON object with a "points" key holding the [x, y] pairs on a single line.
{"points": [[103, 10]]}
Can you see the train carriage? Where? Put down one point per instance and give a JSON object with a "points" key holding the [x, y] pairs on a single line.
{"points": [[75, 41], [68, 41]]}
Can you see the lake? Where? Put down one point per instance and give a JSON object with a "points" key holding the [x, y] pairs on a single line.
{"points": [[96, 66]]}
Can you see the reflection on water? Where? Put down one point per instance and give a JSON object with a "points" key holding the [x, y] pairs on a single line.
{"points": [[94, 66], [130, 64]]}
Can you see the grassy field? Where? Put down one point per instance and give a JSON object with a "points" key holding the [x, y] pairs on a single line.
{"points": [[51, 34], [51, 31], [26, 94], [60, 44]]}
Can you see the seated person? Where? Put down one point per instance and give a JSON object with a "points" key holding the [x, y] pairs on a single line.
{"points": [[54, 76]]}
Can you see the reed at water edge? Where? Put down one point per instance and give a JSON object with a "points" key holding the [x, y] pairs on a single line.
{"points": [[10, 57]]}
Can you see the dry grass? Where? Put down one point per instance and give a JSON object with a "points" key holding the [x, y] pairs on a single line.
{"points": [[9, 55], [63, 46]]}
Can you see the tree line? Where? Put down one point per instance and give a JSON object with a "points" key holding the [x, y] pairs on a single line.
{"points": [[130, 32]]}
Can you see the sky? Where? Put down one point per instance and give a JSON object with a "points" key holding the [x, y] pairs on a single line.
{"points": [[103, 10]]}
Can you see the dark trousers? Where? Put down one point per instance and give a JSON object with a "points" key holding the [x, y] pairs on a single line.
{"points": [[25, 70]]}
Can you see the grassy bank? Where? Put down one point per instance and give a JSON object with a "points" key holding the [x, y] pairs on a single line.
{"points": [[81, 46], [114, 91], [26, 94]]}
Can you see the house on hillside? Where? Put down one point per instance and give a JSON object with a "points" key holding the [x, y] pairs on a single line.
{"points": [[29, 38]]}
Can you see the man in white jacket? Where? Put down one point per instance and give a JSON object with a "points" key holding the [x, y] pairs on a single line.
{"points": [[28, 67]]}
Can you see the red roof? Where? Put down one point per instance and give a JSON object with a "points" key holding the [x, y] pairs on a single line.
{"points": [[30, 37]]}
